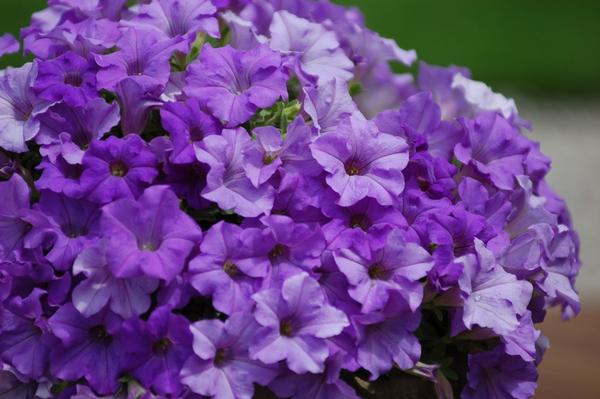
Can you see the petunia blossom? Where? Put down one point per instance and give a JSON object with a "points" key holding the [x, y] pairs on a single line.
{"points": [[361, 162]]}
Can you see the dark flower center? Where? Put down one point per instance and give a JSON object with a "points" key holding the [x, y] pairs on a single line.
{"points": [[230, 268], [162, 345], [285, 329], [269, 158], [118, 169], [220, 357], [100, 334], [72, 231], [352, 168], [148, 246], [377, 272], [278, 252], [73, 79], [360, 221]]}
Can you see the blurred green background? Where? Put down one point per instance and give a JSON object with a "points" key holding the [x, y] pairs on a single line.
{"points": [[547, 48]]}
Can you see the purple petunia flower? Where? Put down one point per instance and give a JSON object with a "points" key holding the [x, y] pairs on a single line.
{"points": [[167, 343], [8, 44], [361, 162], [69, 78], [226, 269], [271, 151], [125, 297], [142, 55], [328, 104], [234, 84], [64, 226], [25, 341], [227, 183], [19, 108], [150, 236], [221, 366], [295, 323], [493, 298], [88, 348], [117, 168], [187, 124], [316, 51], [15, 199], [376, 269], [173, 18], [69, 131], [137, 99], [495, 375]]}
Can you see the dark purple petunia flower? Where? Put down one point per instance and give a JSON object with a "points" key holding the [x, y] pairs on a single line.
{"points": [[61, 177], [234, 84], [497, 375], [15, 199], [137, 98], [150, 236], [227, 183], [117, 168], [25, 341], [64, 227], [143, 55], [295, 322], [221, 366], [89, 348], [361, 162], [19, 108], [69, 131], [167, 343], [187, 124], [173, 18], [69, 78]]}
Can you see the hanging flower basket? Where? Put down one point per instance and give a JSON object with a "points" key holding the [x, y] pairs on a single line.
{"points": [[233, 199]]}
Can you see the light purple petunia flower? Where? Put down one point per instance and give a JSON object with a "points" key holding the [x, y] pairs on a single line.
{"points": [[495, 374], [377, 269], [289, 248], [69, 131], [167, 341], [315, 51], [88, 348], [271, 151], [125, 297], [143, 55], [173, 18], [8, 44], [221, 366], [361, 162], [226, 269], [438, 81], [227, 183], [234, 84], [495, 148], [187, 124], [25, 341], [296, 320], [69, 78], [19, 107], [150, 236], [386, 338], [117, 168], [492, 297], [328, 103], [137, 99]]}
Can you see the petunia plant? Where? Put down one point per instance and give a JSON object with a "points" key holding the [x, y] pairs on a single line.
{"points": [[239, 199]]}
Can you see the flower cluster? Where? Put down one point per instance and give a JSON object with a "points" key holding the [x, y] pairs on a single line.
{"points": [[206, 198]]}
